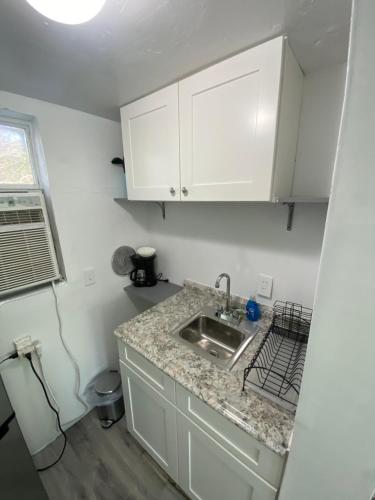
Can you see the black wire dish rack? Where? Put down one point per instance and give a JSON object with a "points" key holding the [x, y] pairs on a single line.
{"points": [[277, 366]]}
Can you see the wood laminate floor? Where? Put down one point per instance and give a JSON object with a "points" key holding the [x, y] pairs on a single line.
{"points": [[103, 464]]}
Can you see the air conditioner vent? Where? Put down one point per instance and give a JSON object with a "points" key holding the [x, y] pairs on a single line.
{"points": [[21, 216], [27, 254]]}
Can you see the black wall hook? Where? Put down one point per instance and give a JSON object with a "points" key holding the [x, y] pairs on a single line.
{"points": [[118, 161]]}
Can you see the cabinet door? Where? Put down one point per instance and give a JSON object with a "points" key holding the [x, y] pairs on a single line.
{"points": [[208, 472], [151, 419], [228, 122], [151, 146], [253, 454]]}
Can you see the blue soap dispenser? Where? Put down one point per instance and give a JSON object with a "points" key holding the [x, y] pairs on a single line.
{"points": [[253, 310]]}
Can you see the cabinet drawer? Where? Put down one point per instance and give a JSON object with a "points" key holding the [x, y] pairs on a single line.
{"points": [[155, 377], [248, 450]]}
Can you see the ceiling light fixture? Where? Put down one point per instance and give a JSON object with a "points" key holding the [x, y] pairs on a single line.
{"points": [[68, 11]]}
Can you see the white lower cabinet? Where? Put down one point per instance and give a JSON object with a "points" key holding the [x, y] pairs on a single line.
{"points": [[151, 419], [206, 455], [207, 471]]}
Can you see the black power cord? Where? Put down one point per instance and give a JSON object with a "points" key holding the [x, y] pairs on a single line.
{"points": [[12, 356], [41, 469]]}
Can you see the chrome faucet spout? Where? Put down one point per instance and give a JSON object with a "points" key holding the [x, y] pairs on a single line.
{"points": [[217, 285]]}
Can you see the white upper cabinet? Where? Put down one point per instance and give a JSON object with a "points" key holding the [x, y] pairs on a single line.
{"points": [[232, 115], [227, 133], [151, 146]]}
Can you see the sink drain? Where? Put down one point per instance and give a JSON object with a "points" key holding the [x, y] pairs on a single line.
{"points": [[213, 353]]}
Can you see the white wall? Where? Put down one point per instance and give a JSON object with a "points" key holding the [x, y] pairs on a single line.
{"points": [[78, 149], [199, 241], [332, 455], [323, 92]]}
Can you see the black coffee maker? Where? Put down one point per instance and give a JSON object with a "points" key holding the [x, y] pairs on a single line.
{"points": [[143, 273]]}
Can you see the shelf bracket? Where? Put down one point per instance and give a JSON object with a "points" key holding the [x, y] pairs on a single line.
{"points": [[289, 223], [161, 204]]}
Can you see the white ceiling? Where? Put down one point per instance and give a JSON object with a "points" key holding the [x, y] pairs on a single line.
{"points": [[136, 46]]}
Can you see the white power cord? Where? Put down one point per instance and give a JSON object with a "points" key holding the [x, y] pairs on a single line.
{"points": [[51, 394], [50, 391], [69, 353]]}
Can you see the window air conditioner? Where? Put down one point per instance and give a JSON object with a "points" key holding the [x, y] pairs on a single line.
{"points": [[27, 253]]}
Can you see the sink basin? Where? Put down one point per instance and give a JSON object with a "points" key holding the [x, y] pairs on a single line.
{"points": [[216, 339]]}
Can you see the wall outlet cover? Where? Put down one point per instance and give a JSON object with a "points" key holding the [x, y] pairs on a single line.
{"points": [[264, 285]]}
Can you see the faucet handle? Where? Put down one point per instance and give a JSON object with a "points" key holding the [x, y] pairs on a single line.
{"points": [[235, 314], [219, 310]]}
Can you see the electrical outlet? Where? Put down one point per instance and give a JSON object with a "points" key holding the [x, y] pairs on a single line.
{"points": [[89, 276], [264, 285], [23, 345]]}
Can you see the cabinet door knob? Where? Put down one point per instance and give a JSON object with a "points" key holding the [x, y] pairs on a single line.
{"points": [[184, 191], [172, 191]]}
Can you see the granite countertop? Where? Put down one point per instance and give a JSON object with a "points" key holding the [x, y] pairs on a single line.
{"points": [[150, 334]]}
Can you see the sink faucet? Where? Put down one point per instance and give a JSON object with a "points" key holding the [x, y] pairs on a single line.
{"points": [[227, 314], [217, 285]]}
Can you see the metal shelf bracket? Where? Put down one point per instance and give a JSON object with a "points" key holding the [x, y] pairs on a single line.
{"points": [[124, 201], [162, 208], [289, 223]]}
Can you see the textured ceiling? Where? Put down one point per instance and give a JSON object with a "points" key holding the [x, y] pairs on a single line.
{"points": [[136, 46]]}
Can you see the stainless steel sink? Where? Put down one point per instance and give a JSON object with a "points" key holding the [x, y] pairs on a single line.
{"points": [[215, 339]]}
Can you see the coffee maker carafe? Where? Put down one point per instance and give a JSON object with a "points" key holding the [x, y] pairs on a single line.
{"points": [[143, 273]]}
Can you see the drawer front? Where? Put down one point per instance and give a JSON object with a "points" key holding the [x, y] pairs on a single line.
{"points": [[248, 450], [155, 377]]}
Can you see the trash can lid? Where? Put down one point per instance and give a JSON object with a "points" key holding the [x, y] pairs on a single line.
{"points": [[107, 382]]}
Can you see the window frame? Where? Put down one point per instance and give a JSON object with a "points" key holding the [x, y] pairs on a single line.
{"points": [[27, 126], [39, 165]]}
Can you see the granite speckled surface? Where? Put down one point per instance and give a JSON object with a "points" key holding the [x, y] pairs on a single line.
{"points": [[150, 334]]}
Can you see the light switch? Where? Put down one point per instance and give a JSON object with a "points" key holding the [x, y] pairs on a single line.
{"points": [[89, 276]]}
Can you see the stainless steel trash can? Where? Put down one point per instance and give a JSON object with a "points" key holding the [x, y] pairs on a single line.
{"points": [[107, 397]]}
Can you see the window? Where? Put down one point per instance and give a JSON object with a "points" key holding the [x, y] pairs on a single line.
{"points": [[28, 257], [17, 168]]}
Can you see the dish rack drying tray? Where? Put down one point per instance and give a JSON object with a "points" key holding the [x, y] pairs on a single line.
{"points": [[276, 369]]}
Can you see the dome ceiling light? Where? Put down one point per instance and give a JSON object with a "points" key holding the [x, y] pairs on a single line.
{"points": [[68, 11]]}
